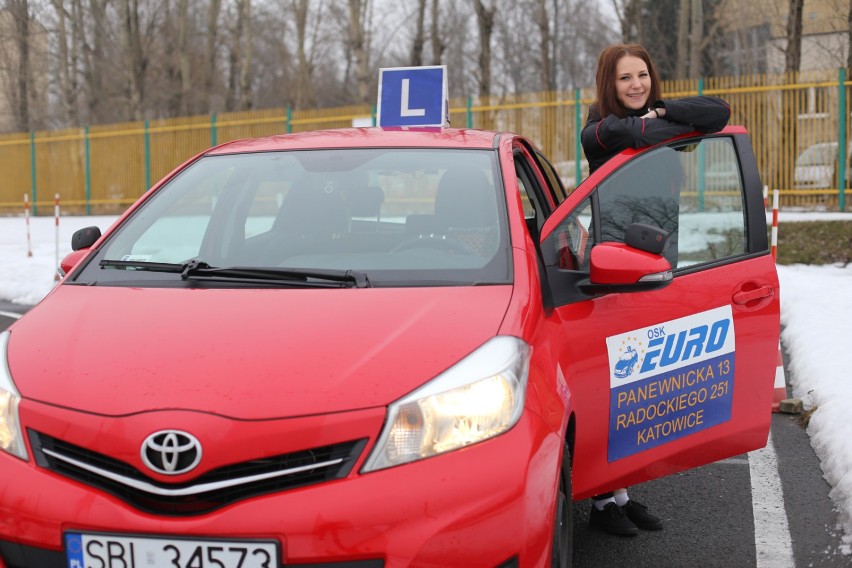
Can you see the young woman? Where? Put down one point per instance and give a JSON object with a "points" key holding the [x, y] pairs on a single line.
{"points": [[630, 113], [629, 107]]}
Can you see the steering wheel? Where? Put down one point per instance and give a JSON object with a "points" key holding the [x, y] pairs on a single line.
{"points": [[437, 241]]}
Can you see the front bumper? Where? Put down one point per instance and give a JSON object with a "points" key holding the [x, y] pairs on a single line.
{"points": [[484, 505]]}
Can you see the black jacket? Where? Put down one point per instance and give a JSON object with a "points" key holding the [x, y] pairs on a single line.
{"points": [[603, 138]]}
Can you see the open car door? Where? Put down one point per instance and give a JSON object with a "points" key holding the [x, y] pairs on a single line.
{"points": [[668, 370]]}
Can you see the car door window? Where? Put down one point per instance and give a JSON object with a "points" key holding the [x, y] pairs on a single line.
{"points": [[693, 191]]}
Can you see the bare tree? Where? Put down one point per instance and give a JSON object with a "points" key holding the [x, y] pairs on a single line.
{"points": [[419, 40], [238, 94], [183, 55], [67, 59], [135, 59], [359, 46], [19, 63], [849, 37], [682, 38], [696, 43], [214, 7], [629, 14], [304, 94], [794, 35], [485, 24], [438, 45], [248, 53], [546, 46]]}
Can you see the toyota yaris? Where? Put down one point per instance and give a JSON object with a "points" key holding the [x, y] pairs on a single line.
{"points": [[370, 347]]}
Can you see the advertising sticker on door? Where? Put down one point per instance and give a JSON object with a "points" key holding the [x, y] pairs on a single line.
{"points": [[670, 380]]}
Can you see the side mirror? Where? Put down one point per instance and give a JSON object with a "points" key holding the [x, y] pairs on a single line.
{"points": [[617, 267], [84, 238], [70, 261]]}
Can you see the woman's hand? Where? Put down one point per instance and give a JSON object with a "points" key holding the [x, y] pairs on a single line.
{"points": [[655, 113]]}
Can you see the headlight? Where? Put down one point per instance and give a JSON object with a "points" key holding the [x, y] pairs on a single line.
{"points": [[11, 437], [478, 398]]}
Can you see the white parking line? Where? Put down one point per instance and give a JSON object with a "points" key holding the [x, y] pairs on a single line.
{"points": [[771, 532], [10, 315]]}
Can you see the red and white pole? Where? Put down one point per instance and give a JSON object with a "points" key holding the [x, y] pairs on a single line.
{"points": [[780, 378], [56, 218], [27, 217], [774, 248]]}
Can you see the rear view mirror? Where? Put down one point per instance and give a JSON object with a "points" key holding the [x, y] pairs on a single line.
{"points": [[84, 238], [646, 237]]}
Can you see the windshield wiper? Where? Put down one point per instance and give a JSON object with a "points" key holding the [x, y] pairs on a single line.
{"points": [[144, 265], [200, 270], [309, 277]]}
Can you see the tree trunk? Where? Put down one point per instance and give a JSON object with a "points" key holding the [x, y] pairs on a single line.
{"points": [[93, 49], [485, 22], [683, 20], [359, 43], [696, 43], [134, 58], [68, 59], [546, 73], [794, 36], [234, 58], [247, 52], [210, 52], [20, 87], [629, 14], [417, 43], [304, 96], [183, 56], [849, 39], [438, 45]]}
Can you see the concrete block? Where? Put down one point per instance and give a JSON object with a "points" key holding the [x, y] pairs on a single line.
{"points": [[790, 406]]}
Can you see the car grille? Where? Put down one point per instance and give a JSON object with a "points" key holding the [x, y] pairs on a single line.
{"points": [[210, 491]]}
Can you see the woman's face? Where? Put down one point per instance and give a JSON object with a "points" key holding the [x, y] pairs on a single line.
{"points": [[632, 83]]}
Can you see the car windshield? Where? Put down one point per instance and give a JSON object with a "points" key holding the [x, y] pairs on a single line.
{"points": [[396, 217], [818, 155]]}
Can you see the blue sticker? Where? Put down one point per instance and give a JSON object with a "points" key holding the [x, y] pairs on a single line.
{"points": [[670, 380], [74, 550]]}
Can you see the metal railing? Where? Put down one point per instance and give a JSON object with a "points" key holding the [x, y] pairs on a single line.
{"points": [[103, 169]]}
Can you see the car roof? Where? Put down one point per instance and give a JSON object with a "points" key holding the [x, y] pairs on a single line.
{"points": [[365, 138]]}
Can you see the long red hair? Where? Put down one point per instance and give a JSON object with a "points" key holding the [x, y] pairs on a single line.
{"points": [[607, 102]]}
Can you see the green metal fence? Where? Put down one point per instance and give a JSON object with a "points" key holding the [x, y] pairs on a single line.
{"points": [[102, 169]]}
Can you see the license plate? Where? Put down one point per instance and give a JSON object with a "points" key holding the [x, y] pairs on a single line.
{"points": [[90, 550]]}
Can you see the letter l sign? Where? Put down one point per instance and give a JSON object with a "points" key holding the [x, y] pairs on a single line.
{"points": [[403, 104]]}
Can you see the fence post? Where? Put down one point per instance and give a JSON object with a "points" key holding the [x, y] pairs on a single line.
{"points": [[56, 248], [87, 169], [373, 114], [578, 142], [841, 139], [289, 119], [214, 136], [701, 158], [147, 156], [469, 112], [33, 172]]}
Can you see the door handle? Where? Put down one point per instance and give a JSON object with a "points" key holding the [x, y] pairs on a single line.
{"points": [[746, 296]]}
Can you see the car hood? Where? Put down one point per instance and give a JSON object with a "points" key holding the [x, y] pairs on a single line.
{"points": [[249, 354]]}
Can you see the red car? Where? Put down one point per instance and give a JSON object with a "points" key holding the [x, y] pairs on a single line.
{"points": [[373, 347]]}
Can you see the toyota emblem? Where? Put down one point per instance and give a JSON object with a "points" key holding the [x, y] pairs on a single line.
{"points": [[171, 452]]}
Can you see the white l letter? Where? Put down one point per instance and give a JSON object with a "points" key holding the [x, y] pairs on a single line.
{"points": [[403, 106]]}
